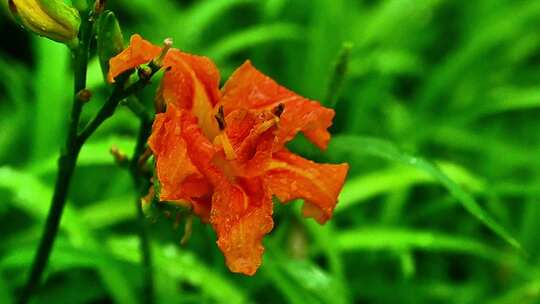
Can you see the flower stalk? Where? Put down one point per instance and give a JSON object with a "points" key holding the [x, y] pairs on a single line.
{"points": [[66, 165], [74, 142], [141, 183]]}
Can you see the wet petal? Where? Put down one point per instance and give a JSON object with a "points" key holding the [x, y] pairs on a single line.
{"points": [[291, 177], [200, 150], [249, 88], [192, 83], [307, 116], [241, 211], [251, 137], [138, 52], [179, 179], [242, 215]]}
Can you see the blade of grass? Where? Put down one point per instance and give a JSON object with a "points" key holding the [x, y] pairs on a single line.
{"points": [[504, 27], [93, 153], [381, 238], [283, 283], [387, 150], [181, 265], [5, 293], [200, 16], [106, 213], [29, 193], [527, 293], [251, 37], [323, 237], [362, 188], [52, 98], [338, 75]]}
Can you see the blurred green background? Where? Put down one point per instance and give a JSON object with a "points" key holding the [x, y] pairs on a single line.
{"points": [[438, 116]]}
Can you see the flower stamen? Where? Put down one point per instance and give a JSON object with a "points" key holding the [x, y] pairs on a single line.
{"points": [[167, 44]]}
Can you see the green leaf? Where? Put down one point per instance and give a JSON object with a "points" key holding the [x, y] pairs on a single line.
{"points": [[52, 98], [5, 293], [526, 293], [338, 75], [506, 25], [282, 282], [360, 189], [108, 212], [506, 100], [65, 256], [30, 194], [387, 150], [381, 238], [381, 24], [93, 153], [203, 14], [110, 40], [33, 197], [324, 237], [181, 265], [251, 37]]}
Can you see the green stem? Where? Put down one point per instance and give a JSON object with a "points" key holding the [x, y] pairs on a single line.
{"points": [[142, 184], [66, 165], [138, 109], [110, 105], [70, 153]]}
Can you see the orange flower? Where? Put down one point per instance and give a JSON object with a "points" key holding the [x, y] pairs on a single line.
{"points": [[222, 152]]}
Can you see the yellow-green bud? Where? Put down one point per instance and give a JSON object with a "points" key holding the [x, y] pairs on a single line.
{"points": [[53, 19], [110, 40]]}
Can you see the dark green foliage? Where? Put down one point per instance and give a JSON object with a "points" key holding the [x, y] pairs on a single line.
{"points": [[438, 114]]}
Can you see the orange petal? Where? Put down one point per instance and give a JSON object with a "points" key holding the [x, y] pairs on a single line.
{"points": [[200, 150], [178, 177], [202, 207], [249, 88], [291, 177], [192, 83], [138, 52], [241, 211], [307, 116], [251, 136], [242, 215]]}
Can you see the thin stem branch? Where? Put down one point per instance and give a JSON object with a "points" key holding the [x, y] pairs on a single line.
{"points": [[110, 105], [138, 109], [142, 184]]}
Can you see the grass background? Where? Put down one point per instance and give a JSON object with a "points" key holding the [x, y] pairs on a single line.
{"points": [[438, 116]]}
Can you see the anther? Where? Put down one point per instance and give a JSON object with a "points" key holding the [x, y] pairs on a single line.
{"points": [[167, 44], [279, 109], [220, 118]]}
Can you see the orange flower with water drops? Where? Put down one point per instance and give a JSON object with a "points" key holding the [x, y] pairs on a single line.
{"points": [[222, 151]]}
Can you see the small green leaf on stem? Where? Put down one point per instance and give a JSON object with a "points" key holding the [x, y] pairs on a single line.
{"points": [[110, 40]]}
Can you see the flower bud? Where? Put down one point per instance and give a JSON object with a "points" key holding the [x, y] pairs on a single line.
{"points": [[53, 19], [110, 41]]}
